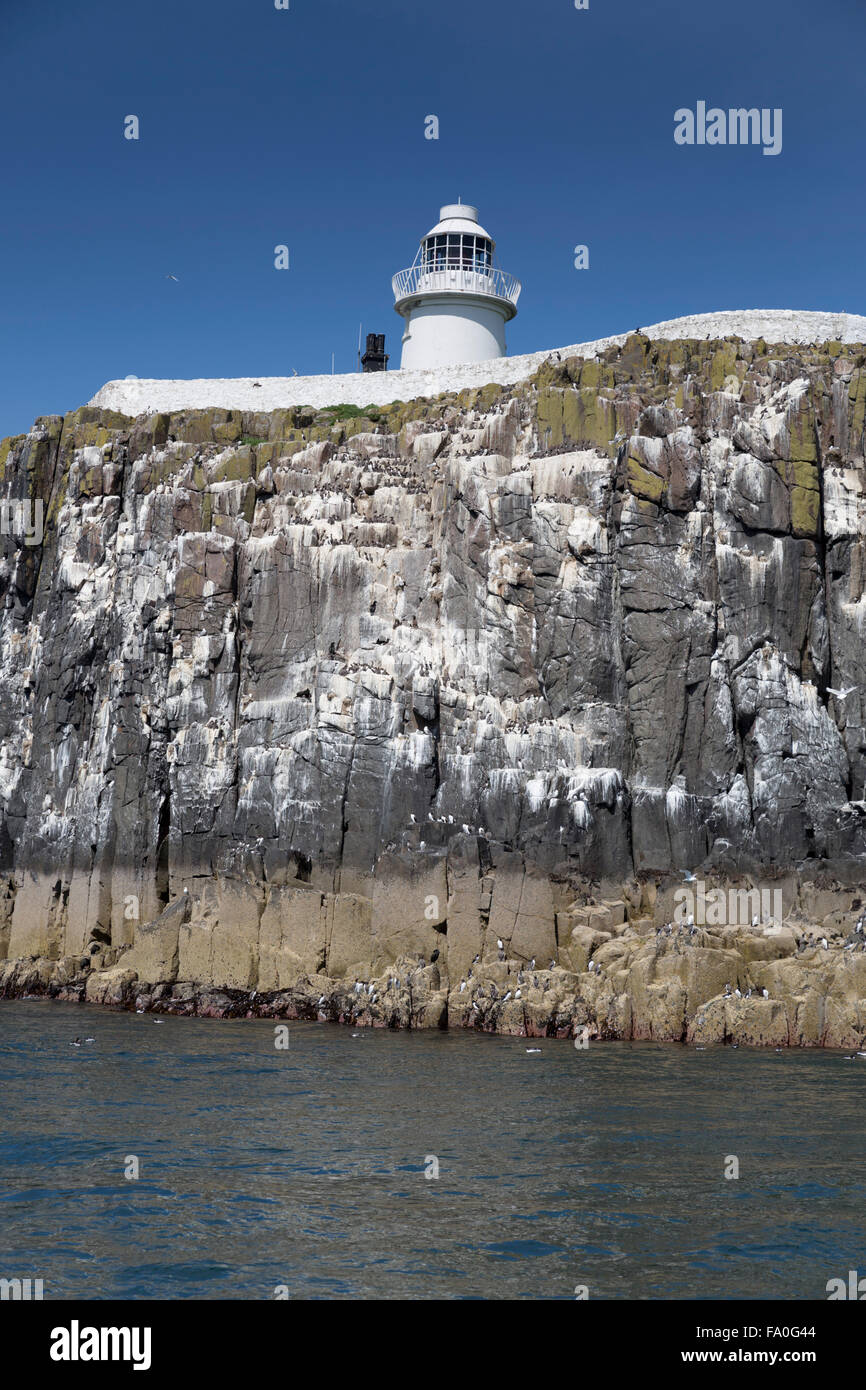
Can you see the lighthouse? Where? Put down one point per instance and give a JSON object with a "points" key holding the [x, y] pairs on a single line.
{"points": [[455, 301]]}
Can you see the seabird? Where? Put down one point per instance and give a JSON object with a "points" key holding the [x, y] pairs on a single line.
{"points": [[462, 986], [507, 997], [435, 956], [499, 943], [841, 694], [766, 993], [321, 1000], [533, 1049]]}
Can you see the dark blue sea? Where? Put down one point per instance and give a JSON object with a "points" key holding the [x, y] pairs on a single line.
{"points": [[304, 1170]]}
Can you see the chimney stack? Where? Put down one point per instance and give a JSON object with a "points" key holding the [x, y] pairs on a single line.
{"points": [[375, 359]]}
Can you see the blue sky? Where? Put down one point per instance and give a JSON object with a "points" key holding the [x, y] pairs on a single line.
{"points": [[306, 128]]}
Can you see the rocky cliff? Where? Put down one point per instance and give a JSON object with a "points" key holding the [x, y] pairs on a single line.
{"points": [[291, 699]]}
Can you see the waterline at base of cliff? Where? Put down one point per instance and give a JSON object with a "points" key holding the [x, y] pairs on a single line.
{"points": [[616, 975]]}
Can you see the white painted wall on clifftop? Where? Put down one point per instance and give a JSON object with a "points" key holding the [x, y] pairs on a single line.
{"points": [[139, 396]]}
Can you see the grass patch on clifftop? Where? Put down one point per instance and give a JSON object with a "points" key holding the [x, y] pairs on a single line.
{"points": [[351, 412]]}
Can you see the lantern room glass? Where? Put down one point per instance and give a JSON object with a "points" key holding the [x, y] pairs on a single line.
{"points": [[458, 251]]}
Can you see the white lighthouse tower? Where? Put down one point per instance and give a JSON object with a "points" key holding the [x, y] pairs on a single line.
{"points": [[456, 303]]}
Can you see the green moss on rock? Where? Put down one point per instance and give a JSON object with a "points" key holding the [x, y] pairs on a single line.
{"points": [[6, 448], [722, 366], [642, 483], [804, 437]]}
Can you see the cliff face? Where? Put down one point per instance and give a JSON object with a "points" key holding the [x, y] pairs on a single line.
{"points": [[327, 690]]}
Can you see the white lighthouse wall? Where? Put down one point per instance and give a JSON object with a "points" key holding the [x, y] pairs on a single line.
{"points": [[439, 333]]}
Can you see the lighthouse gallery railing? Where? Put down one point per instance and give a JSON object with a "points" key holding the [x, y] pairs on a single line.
{"points": [[423, 279]]}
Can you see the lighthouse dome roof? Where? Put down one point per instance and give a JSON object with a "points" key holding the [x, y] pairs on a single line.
{"points": [[459, 217]]}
